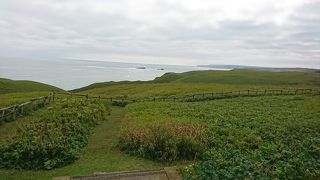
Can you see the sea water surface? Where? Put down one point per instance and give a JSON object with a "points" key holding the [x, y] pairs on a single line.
{"points": [[70, 74]]}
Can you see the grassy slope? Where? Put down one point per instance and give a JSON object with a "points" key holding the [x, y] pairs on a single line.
{"points": [[18, 91], [12, 86], [16, 98], [104, 84], [99, 156], [243, 77], [206, 81]]}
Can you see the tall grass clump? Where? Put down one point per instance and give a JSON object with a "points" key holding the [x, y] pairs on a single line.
{"points": [[165, 142], [56, 138]]}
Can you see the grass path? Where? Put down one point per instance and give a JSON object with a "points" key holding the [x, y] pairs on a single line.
{"points": [[99, 156]]}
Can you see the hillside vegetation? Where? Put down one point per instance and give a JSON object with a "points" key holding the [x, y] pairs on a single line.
{"points": [[14, 86], [19, 91], [243, 77], [205, 81]]}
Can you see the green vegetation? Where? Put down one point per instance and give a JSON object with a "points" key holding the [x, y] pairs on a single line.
{"points": [[13, 86], [165, 142], [55, 139], [99, 156], [104, 84], [205, 81], [243, 77], [176, 89], [17, 98], [252, 137]]}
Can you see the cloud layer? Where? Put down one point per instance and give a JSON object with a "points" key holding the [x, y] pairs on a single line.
{"points": [[248, 32]]}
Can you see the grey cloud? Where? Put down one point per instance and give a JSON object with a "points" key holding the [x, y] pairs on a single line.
{"points": [[55, 29]]}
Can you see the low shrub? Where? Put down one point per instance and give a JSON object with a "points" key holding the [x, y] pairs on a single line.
{"points": [[56, 138], [165, 142], [267, 162]]}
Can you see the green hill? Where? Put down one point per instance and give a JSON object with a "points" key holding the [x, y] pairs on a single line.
{"points": [[243, 77], [13, 86], [205, 81], [104, 84]]}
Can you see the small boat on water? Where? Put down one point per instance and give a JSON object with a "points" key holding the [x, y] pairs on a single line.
{"points": [[141, 67]]}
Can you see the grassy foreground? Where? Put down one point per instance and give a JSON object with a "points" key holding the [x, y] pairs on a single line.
{"points": [[249, 138], [99, 156]]}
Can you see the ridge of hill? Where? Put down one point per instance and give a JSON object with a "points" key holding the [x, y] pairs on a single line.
{"points": [[14, 86], [231, 77]]}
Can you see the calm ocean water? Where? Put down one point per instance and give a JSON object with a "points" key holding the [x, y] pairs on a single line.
{"points": [[70, 74]]}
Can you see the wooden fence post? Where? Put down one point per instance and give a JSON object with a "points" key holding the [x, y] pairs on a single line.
{"points": [[3, 113], [14, 112], [22, 109]]}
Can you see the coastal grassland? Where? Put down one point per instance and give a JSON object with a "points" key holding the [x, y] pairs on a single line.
{"points": [[178, 89], [19, 91], [12, 86], [249, 137], [205, 81], [243, 77]]}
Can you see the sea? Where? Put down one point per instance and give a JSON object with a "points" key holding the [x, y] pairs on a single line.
{"points": [[70, 74]]}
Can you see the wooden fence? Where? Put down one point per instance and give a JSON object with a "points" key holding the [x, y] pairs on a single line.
{"points": [[202, 96], [11, 112], [230, 94]]}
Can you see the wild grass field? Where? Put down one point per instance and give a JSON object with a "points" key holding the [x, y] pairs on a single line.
{"points": [[267, 137], [251, 137], [205, 81]]}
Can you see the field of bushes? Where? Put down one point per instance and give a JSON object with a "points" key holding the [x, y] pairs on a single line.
{"points": [[55, 138], [241, 138]]}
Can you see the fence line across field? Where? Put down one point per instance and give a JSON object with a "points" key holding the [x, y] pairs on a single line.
{"points": [[11, 112], [202, 96]]}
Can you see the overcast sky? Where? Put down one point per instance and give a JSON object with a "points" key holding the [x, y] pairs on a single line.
{"points": [[245, 32]]}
